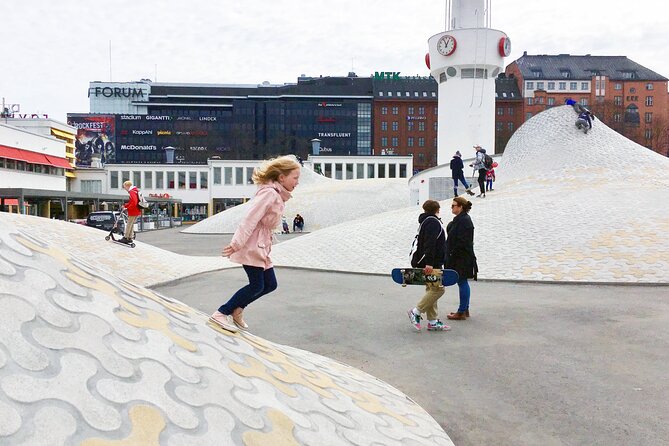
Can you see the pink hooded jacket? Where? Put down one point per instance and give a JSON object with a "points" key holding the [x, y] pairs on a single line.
{"points": [[252, 241]]}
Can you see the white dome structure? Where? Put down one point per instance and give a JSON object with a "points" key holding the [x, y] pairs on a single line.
{"points": [[322, 202], [570, 207], [91, 359]]}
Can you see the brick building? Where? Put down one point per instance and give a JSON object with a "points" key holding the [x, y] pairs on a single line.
{"points": [[405, 118], [626, 96]]}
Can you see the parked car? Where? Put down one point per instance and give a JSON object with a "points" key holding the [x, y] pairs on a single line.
{"points": [[104, 220]]}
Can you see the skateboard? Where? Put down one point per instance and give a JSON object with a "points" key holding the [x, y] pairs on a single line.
{"points": [[416, 276]]}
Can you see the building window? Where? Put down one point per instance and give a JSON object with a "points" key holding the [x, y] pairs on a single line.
{"points": [[91, 186], [249, 175], [399, 94], [421, 110], [500, 111], [159, 180], [370, 171], [649, 86], [421, 142], [562, 85], [530, 101], [148, 180], [509, 111], [528, 116], [618, 100], [530, 85], [648, 117], [471, 73], [649, 101], [382, 170], [203, 180], [396, 126], [648, 133], [384, 110], [407, 94], [137, 179], [394, 141], [584, 101], [360, 170], [435, 126], [227, 175], [410, 141], [217, 175], [170, 180], [381, 93], [617, 117], [632, 90], [410, 126], [541, 99], [551, 85], [182, 180], [499, 126], [618, 86], [410, 111], [434, 95], [113, 180], [384, 126], [573, 85], [349, 171], [396, 110], [192, 180], [421, 126], [384, 141], [436, 111], [551, 101], [390, 94], [339, 172], [565, 74], [239, 175], [632, 114], [510, 126], [584, 86], [540, 85], [392, 171], [403, 170]]}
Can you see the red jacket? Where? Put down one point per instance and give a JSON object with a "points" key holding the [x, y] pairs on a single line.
{"points": [[131, 205]]}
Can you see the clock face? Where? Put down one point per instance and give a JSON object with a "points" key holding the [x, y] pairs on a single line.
{"points": [[504, 46], [446, 45]]}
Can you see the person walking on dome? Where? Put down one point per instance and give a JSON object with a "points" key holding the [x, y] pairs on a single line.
{"points": [[298, 223], [429, 255], [252, 242], [458, 174], [479, 165], [460, 253], [490, 178]]}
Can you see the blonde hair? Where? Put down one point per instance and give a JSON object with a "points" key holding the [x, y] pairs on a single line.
{"points": [[127, 183], [271, 169]]}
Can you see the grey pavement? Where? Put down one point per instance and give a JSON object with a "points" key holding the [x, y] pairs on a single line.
{"points": [[536, 364]]}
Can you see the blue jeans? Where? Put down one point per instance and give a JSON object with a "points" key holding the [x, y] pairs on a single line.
{"points": [[462, 180], [261, 282], [465, 292]]}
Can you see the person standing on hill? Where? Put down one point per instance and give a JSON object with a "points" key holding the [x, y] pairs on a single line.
{"points": [[458, 174], [133, 209], [479, 165]]}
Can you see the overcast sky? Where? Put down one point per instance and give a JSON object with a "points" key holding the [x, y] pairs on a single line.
{"points": [[51, 49]]}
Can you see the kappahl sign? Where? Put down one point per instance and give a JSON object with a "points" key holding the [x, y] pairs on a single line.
{"points": [[116, 92]]}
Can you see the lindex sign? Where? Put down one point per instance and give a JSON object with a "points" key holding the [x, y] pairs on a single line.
{"points": [[388, 75]]}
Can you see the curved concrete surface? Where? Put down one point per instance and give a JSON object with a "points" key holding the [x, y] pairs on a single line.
{"points": [[88, 358], [570, 207], [322, 202]]}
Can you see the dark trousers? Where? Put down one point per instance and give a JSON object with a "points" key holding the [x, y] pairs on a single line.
{"points": [[481, 180], [261, 282]]}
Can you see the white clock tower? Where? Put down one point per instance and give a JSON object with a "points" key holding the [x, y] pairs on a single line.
{"points": [[465, 60]]}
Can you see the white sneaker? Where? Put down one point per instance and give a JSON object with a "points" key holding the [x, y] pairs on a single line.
{"points": [[224, 321]]}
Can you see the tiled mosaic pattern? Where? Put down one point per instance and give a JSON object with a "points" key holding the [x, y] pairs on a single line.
{"points": [[88, 358], [568, 207], [322, 202], [143, 265]]}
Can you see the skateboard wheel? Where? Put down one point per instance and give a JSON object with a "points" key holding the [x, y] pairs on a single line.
{"points": [[107, 238], [132, 245]]}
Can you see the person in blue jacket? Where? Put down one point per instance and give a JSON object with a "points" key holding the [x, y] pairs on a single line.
{"points": [[457, 173]]}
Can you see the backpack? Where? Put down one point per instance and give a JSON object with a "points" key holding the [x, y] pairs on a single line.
{"points": [[141, 201], [487, 161], [414, 245]]}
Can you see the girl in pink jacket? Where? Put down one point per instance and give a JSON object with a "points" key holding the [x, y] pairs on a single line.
{"points": [[252, 242]]}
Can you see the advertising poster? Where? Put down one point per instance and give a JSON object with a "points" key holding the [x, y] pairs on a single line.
{"points": [[95, 135]]}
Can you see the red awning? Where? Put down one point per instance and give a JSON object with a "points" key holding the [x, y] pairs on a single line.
{"points": [[59, 162], [33, 157]]}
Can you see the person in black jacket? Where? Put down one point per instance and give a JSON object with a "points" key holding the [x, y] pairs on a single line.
{"points": [[458, 174], [460, 253], [429, 255]]}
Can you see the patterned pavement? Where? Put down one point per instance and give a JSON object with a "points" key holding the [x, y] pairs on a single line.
{"points": [[90, 358]]}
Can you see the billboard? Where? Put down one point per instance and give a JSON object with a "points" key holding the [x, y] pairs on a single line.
{"points": [[95, 136]]}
